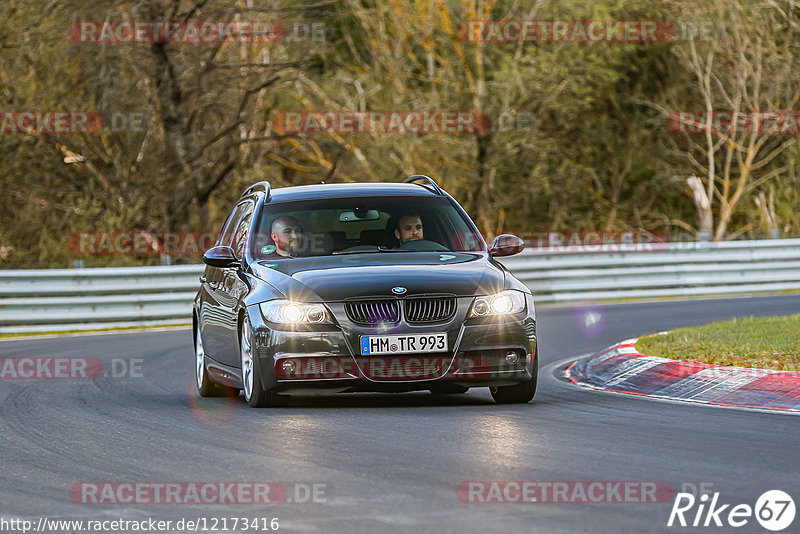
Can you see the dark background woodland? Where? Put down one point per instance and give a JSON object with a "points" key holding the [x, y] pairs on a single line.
{"points": [[579, 140]]}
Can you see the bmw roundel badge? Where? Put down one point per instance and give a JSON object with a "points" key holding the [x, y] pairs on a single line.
{"points": [[399, 290]]}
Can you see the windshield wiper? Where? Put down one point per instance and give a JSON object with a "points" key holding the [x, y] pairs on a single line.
{"points": [[371, 250]]}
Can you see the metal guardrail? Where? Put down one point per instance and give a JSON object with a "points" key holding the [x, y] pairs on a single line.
{"points": [[82, 299], [679, 269], [88, 299]]}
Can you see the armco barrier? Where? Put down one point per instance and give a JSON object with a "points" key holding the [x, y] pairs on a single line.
{"points": [[86, 299], [77, 299], [681, 269]]}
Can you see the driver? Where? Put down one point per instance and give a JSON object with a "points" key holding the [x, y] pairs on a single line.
{"points": [[409, 228], [288, 236]]}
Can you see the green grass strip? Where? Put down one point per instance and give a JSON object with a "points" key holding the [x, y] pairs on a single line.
{"points": [[762, 342]]}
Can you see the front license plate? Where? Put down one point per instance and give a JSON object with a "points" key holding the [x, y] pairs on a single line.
{"points": [[407, 343]]}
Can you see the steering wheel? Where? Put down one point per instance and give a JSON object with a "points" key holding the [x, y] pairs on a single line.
{"points": [[424, 245]]}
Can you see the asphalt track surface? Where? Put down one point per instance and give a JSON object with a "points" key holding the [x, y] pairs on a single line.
{"points": [[390, 463]]}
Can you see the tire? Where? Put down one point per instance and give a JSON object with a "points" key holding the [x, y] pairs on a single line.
{"points": [[254, 393], [449, 389], [521, 393], [205, 386], [517, 394]]}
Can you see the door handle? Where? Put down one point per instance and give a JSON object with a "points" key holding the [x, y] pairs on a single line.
{"points": [[213, 285], [202, 279]]}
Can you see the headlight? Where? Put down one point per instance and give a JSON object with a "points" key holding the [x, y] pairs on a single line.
{"points": [[504, 303], [288, 312]]}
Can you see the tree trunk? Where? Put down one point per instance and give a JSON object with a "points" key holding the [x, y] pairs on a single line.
{"points": [[703, 205]]}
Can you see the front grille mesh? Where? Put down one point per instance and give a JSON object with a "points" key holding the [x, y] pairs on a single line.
{"points": [[417, 310], [429, 310], [373, 311]]}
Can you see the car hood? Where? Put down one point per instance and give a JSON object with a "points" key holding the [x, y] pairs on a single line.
{"points": [[336, 278]]}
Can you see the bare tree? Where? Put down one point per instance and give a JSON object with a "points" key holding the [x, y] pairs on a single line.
{"points": [[736, 79]]}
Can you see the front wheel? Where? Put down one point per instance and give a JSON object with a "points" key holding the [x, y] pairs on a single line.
{"points": [[520, 393], [253, 390], [517, 394]]}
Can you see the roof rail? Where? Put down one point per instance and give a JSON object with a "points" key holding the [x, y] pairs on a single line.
{"points": [[264, 186], [417, 177]]}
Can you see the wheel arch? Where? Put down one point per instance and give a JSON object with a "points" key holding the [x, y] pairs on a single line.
{"points": [[195, 327]]}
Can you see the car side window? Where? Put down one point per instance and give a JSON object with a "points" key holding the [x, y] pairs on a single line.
{"points": [[226, 234], [240, 236]]}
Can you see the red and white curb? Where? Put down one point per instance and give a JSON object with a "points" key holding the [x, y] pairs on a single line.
{"points": [[621, 368]]}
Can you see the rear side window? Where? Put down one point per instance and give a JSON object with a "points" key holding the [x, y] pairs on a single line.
{"points": [[240, 235], [226, 234]]}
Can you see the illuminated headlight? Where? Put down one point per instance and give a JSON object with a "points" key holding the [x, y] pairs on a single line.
{"points": [[288, 312], [504, 303]]}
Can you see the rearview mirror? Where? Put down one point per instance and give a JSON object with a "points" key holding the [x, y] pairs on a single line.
{"points": [[506, 245], [220, 257], [359, 214]]}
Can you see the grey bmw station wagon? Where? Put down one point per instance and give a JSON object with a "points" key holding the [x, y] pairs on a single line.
{"points": [[360, 287]]}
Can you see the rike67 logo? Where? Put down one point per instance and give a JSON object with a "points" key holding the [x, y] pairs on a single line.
{"points": [[774, 510]]}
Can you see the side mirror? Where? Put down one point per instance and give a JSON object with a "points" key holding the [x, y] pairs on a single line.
{"points": [[220, 257], [506, 245]]}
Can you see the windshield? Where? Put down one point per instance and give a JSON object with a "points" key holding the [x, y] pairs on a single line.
{"points": [[354, 225]]}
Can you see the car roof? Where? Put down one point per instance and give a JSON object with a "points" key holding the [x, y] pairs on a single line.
{"points": [[304, 192]]}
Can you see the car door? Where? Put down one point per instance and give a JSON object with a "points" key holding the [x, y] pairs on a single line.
{"points": [[232, 286], [212, 316]]}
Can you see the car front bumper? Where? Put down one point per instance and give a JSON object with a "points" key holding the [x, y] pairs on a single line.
{"points": [[496, 352]]}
